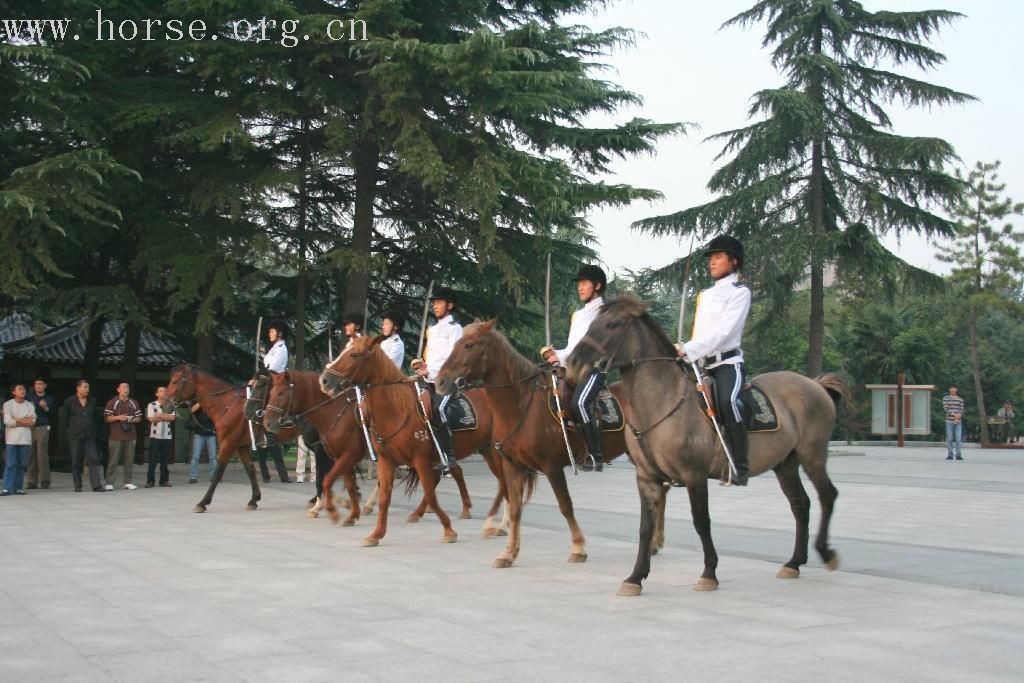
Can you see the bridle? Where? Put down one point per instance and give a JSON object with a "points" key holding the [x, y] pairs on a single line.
{"points": [[195, 399]]}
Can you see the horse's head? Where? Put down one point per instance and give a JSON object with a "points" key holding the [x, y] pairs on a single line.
{"points": [[254, 404], [277, 413], [621, 333], [182, 385], [468, 360], [361, 363]]}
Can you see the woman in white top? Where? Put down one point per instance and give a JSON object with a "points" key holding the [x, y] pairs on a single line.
{"points": [[393, 346]]}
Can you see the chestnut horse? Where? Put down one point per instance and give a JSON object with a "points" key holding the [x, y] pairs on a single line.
{"points": [[336, 419], [525, 432], [400, 433], [672, 443], [224, 405]]}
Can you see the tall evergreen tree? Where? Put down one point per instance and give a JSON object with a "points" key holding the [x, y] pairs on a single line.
{"points": [[988, 265], [822, 157]]}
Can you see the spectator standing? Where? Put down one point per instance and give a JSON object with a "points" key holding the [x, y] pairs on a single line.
{"points": [[78, 422], [37, 473], [301, 452], [953, 408], [203, 436], [122, 414], [1010, 428], [19, 419], [159, 439]]}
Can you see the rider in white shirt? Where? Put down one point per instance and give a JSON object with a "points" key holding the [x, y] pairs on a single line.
{"points": [[441, 338], [393, 346], [718, 321], [590, 284], [274, 361]]}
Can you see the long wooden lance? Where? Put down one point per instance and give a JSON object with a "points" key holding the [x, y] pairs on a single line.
{"points": [[248, 389], [330, 332], [259, 331], [682, 298], [554, 371], [423, 322]]}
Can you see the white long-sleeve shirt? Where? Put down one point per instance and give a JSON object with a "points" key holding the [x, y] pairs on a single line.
{"points": [[276, 359], [578, 327], [16, 435], [441, 338], [718, 322], [394, 348]]}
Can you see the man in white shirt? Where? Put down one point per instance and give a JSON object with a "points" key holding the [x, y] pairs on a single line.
{"points": [[19, 418], [718, 321], [590, 283], [393, 346], [159, 439], [441, 339]]}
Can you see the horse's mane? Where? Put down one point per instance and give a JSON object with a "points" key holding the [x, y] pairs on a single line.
{"points": [[207, 376], [627, 308], [387, 378], [307, 384], [517, 365]]}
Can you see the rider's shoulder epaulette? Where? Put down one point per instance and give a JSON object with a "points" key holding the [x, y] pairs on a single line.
{"points": [[741, 283]]}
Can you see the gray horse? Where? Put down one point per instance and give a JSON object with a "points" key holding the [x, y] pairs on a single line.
{"points": [[672, 443]]}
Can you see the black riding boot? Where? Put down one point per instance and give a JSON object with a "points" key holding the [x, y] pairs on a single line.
{"points": [[737, 435], [592, 435], [444, 439], [282, 471]]}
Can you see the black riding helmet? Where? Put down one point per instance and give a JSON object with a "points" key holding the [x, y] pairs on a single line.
{"points": [[727, 244], [280, 326], [396, 319], [354, 318], [445, 294], [589, 271]]}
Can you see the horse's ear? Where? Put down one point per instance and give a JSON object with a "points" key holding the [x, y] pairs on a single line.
{"points": [[477, 321], [488, 325], [378, 339]]}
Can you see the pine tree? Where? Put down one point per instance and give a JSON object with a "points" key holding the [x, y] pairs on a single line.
{"points": [[822, 158], [988, 265]]}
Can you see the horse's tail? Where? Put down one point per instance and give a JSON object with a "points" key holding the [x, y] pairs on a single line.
{"points": [[412, 480], [837, 389], [529, 486]]}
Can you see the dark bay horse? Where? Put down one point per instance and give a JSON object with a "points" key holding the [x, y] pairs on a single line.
{"points": [[224, 405], [401, 436], [527, 436], [671, 443], [336, 419]]}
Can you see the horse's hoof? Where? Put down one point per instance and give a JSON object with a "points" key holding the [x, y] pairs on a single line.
{"points": [[706, 585], [312, 514], [450, 538], [199, 508], [502, 563], [251, 506], [577, 557], [335, 517], [348, 522], [368, 510], [654, 551], [465, 514], [501, 532], [370, 542], [788, 573], [629, 590], [833, 564], [413, 518]]}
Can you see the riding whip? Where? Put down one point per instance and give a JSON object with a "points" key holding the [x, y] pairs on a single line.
{"points": [[682, 298], [554, 372], [706, 393]]}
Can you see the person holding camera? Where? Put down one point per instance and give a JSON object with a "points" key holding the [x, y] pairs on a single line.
{"points": [[122, 413]]}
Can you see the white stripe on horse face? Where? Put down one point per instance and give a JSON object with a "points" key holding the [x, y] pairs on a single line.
{"points": [[584, 416]]}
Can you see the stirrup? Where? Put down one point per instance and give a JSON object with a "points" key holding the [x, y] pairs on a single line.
{"points": [[592, 464]]}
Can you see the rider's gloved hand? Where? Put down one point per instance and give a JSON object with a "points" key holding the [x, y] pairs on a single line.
{"points": [[681, 352]]}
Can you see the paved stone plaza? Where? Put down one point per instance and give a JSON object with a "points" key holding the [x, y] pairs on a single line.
{"points": [[132, 586]]}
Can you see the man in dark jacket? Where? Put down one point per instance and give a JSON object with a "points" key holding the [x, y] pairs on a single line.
{"points": [[78, 419]]}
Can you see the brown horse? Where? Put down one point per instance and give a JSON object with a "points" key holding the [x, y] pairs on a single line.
{"points": [[336, 418], [671, 442], [401, 435], [526, 433], [224, 405]]}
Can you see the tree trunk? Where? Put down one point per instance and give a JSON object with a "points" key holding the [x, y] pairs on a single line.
{"points": [[357, 283], [301, 279], [93, 342], [130, 360], [204, 352], [816, 325], [972, 325]]}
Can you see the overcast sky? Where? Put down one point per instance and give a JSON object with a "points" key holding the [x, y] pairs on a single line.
{"points": [[686, 69]]}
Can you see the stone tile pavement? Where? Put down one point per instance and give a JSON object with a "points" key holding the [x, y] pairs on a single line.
{"points": [[132, 586]]}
